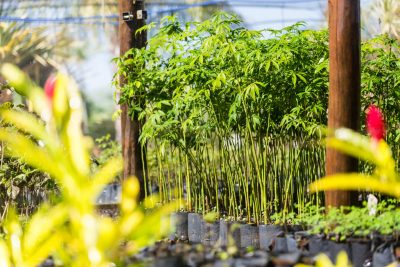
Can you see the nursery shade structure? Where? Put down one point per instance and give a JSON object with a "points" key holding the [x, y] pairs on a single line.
{"points": [[344, 88]]}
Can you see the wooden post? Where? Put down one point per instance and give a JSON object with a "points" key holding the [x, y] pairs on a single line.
{"points": [[344, 88], [130, 127]]}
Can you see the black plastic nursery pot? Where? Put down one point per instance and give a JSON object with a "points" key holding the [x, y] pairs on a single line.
{"points": [[249, 236], [335, 247], [228, 231], [383, 255], [282, 243], [318, 244], [242, 235], [291, 243], [267, 234], [195, 222], [265, 237], [361, 252], [173, 261], [180, 222], [209, 233]]}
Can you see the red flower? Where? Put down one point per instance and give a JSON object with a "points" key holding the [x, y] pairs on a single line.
{"points": [[375, 123], [49, 86]]}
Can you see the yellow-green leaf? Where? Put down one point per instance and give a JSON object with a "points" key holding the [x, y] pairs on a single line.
{"points": [[130, 191], [4, 255], [73, 138], [22, 147], [35, 234], [25, 87], [42, 252], [29, 123], [355, 181], [351, 143], [17, 79]]}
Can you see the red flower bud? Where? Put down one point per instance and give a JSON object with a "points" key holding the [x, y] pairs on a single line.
{"points": [[49, 86], [375, 123]]}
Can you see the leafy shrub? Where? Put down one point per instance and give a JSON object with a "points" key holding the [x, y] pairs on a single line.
{"points": [[206, 92], [232, 119]]}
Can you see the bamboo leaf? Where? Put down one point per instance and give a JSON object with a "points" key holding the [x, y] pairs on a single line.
{"points": [[301, 77]]}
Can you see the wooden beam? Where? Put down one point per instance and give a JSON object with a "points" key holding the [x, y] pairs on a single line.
{"points": [[130, 127], [344, 88]]}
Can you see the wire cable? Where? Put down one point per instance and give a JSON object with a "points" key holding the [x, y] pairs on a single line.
{"points": [[103, 19], [113, 19]]}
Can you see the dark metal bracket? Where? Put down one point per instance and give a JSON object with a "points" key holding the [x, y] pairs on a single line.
{"points": [[130, 17]]}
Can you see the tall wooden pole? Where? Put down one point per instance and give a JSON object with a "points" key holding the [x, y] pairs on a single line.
{"points": [[344, 88], [130, 127]]}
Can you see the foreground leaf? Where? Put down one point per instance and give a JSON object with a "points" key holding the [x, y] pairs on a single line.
{"points": [[355, 181]]}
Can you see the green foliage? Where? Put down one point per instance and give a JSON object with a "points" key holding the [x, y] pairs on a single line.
{"points": [[347, 222], [74, 234], [232, 120], [341, 223], [206, 92], [381, 84], [197, 77]]}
